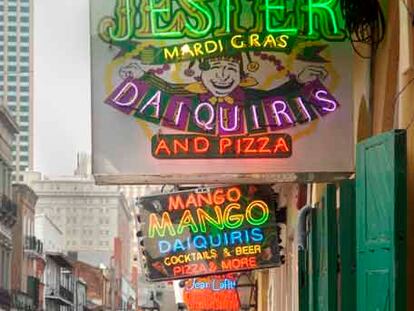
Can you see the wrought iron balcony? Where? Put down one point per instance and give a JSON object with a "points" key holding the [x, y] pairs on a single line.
{"points": [[66, 294], [62, 295], [33, 244], [8, 211]]}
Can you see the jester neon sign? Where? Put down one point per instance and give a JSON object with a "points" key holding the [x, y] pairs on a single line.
{"points": [[195, 19], [224, 70]]}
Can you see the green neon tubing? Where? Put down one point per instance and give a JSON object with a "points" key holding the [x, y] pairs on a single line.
{"points": [[322, 6], [228, 16], [129, 26], [269, 27], [207, 14], [154, 13]]}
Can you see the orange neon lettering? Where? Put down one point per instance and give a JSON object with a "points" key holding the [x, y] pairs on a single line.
{"points": [[201, 144], [218, 196], [224, 144], [175, 202], [281, 143], [162, 145], [250, 142], [238, 144], [263, 142], [204, 199], [191, 200], [230, 194], [180, 145]]}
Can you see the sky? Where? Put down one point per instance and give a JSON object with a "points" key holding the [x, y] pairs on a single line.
{"points": [[61, 84]]}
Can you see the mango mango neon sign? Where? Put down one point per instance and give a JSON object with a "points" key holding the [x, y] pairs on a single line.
{"points": [[137, 19]]}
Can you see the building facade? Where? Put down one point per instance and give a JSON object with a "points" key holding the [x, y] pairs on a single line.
{"points": [[88, 215], [50, 235], [99, 294], [59, 283], [28, 256], [8, 209], [16, 71]]}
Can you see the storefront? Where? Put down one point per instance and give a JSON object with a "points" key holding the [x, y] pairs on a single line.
{"points": [[236, 97]]}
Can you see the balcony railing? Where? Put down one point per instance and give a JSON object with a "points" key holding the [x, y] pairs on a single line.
{"points": [[8, 210], [61, 294], [66, 294], [33, 244]]}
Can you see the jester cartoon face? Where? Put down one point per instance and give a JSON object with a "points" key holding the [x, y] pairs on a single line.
{"points": [[221, 76]]}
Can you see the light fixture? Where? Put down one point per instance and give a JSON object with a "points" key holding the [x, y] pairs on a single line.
{"points": [[246, 292]]}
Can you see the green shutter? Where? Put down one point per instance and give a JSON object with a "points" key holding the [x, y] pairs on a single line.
{"points": [[323, 253], [347, 245], [381, 225]]}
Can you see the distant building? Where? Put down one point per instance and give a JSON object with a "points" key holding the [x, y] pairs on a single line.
{"points": [[16, 88], [81, 295], [50, 234], [27, 256], [89, 216], [59, 283], [98, 280], [8, 209]]}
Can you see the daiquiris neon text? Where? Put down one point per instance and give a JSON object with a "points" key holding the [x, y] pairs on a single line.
{"points": [[268, 115], [169, 19]]}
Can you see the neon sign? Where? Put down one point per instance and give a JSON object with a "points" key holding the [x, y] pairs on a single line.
{"points": [[192, 233], [216, 293], [225, 83]]}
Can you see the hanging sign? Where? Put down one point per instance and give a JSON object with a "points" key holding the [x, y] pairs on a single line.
{"points": [[229, 82], [193, 233], [213, 293]]}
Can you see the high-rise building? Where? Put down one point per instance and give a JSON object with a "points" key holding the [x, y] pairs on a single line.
{"points": [[16, 71]]}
